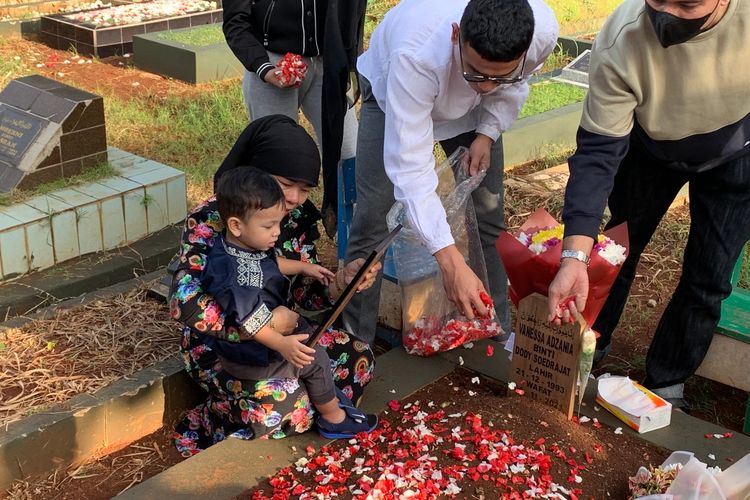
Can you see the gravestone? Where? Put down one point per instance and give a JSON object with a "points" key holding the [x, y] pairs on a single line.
{"points": [[577, 71], [48, 130], [545, 356]]}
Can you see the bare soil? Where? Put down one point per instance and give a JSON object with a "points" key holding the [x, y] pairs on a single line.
{"points": [[600, 457]]}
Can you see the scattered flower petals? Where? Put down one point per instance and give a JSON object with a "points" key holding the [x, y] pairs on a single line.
{"points": [[712, 456], [728, 435], [394, 405], [511, 385], [520, 392], [475, 380], [618, 430], [584, 419], [490, 351], [461, 360]]}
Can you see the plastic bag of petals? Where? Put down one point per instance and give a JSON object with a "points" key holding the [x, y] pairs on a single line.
{"points": [[291, 69], [431, 323], [531, 257]]}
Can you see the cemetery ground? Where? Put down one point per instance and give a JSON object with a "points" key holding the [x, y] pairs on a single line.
{"points": [[192, 128]]}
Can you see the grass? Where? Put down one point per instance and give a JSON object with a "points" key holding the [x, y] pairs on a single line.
{"points": [[547, 95], [577, 16], [556, 60], [92, 174], [9, 69], [744, 281], [200, 36], [193, 134]]}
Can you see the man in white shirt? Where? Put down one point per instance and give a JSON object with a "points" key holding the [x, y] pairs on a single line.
{"points": [[453, 71]]}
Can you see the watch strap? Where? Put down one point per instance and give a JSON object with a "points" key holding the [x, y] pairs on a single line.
{"points": [[575, 254]]}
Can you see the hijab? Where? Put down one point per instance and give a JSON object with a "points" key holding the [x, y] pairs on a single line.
{"points": [[277, 145]]}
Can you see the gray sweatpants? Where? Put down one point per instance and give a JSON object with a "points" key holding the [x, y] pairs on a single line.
{"points": [[317, 376], [375, 198], [263, 99]]}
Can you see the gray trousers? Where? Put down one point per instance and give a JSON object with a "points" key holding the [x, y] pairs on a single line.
{"points": [[375, 198], [263, 99], [317, 376]]}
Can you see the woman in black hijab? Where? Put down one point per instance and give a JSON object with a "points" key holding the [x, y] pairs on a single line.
{"points": [[256, 408]]}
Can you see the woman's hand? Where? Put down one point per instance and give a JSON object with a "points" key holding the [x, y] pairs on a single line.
{"points": [[273, 77], [320, 273], [294, 350], [351, 269], [284, 320]]}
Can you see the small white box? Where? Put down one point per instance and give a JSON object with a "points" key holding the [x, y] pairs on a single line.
{"points": [[639, 408]]}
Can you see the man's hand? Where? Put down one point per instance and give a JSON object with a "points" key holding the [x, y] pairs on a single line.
{"points": [[284, 320], [461, 284], [320, 273], [293, 349], [272, 78], [479, 154], [571, 280]]}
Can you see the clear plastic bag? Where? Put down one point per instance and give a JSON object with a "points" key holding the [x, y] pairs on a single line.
{"points": [[696, 481], [431, 323]]}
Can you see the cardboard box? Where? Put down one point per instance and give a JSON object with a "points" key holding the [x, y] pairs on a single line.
{"points": [[639, 408]]}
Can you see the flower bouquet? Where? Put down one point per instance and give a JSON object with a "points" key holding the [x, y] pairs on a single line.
{"points": [[532, 258], [685, 477], [291, 69]]}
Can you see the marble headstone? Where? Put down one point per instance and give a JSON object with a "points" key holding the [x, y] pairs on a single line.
{"points": [[48, 130], [578, 70]]}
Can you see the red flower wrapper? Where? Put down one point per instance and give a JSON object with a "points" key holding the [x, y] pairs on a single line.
{"points": [[291, 69], [531, 273]]}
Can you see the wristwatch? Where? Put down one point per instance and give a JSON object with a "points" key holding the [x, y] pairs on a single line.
{"points": [[575, 254]]}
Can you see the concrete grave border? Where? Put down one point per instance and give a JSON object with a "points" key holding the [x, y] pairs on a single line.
{"points": [[90, 425], [186, 62]]}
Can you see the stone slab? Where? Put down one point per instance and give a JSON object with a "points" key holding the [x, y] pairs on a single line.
{"points": [[85, 274], [189, 63], [230, 467], [530, 138], [727, 362]]}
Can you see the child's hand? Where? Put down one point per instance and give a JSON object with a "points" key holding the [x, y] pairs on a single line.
{"points": [[293, 349], [284, 320], [320, 273]]}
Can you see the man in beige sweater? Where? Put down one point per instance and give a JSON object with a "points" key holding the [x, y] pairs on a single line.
{"points": [[669, 103]]}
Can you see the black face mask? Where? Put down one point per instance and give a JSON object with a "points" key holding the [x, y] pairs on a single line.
{"points": [[671, 30]]}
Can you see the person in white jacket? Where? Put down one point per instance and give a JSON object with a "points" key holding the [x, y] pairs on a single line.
{"points": [[449, 71]]}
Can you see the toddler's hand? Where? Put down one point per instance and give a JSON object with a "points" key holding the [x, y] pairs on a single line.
{"points": [[320, 273], [293, 349], [284, 320]]}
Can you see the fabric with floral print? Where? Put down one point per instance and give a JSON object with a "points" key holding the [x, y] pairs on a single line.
{"points": [[247, 409]]}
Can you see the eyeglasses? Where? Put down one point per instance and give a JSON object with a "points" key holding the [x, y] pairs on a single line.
{"points": [[501, 80]]}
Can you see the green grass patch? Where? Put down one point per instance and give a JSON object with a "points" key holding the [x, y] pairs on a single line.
{"points": [[89, 175], [547, 95], [200, 36], [193, 134], [744, 281], [556, 60]]}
